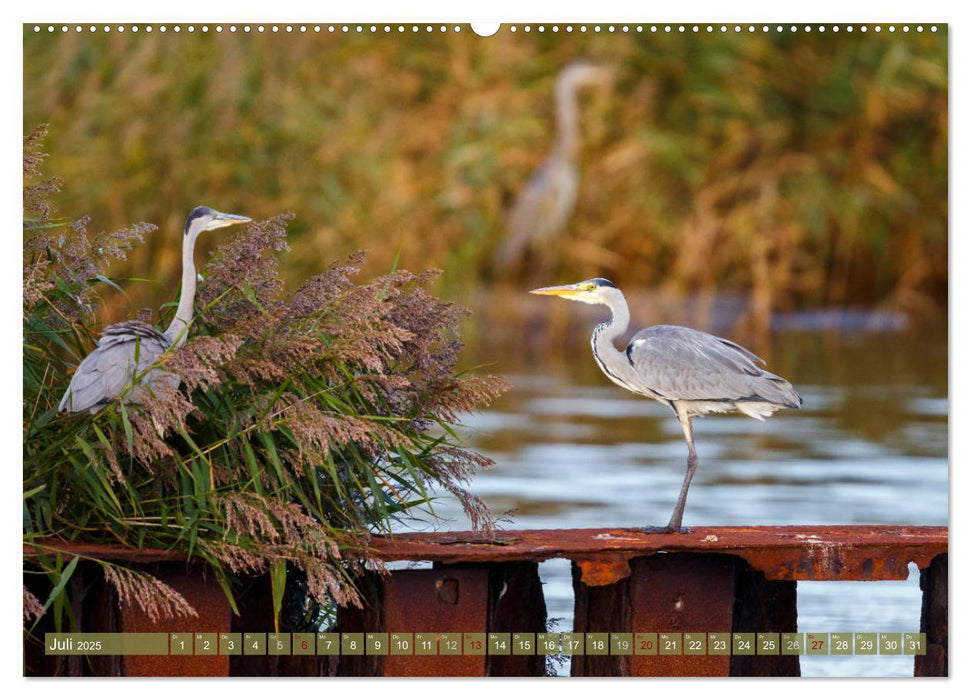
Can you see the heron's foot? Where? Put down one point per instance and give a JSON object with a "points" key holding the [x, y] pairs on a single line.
{"points": [[663, 530]]}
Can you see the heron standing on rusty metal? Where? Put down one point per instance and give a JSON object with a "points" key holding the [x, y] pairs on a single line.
{"points": [[121, 365], [691, 372], [542, 209]]}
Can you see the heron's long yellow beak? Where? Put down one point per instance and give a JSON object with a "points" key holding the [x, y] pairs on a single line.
{"points": [[566, 290], [222, 220]]}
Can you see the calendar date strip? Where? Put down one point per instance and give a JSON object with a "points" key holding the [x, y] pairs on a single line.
{"points": [[491, 643]]}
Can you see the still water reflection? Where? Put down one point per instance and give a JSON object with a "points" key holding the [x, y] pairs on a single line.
{"points": [[868, 447]]}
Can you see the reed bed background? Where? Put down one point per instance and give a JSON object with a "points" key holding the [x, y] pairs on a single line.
{"points": [[801, 169]]}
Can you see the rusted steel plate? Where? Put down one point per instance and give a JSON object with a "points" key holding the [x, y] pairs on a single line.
{"points": [[436, 601], [604, 570], [203, 594], [105, 552], [682, 593], [600, 608], [793, 553]]}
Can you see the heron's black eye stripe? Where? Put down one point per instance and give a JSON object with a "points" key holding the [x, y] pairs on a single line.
{"points": [[188, 223], [601, 282], [195, 214]]}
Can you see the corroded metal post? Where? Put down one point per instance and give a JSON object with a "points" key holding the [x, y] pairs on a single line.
{"points": [[462, 599], [419, 601], [203, 594], [517, 605], [732, 579], [254, 601], [763, 606], [680, 593], [600, 608], [933, 619]]}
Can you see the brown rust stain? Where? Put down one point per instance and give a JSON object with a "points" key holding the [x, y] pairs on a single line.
{"points": [[682, 593], [436, 601], [604, 570], [793, 553]]}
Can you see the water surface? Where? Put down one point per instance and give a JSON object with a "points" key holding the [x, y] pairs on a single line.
{"points": [[868, 447]]}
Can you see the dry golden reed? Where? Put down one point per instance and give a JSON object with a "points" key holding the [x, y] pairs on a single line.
{"points": [[802, 169]]}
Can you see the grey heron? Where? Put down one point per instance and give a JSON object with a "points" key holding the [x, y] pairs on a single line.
{"points": [[691, 372], [126, 351], [546, 203]]}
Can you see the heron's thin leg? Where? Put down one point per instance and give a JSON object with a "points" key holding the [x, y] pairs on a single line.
{"points": [[685, 420]]}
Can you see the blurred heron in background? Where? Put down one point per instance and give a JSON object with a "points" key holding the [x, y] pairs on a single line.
{"points": [[543, 208], [128, 349], [691, 372]]}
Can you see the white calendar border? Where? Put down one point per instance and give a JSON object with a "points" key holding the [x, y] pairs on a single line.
{"points": [[518, 11]]}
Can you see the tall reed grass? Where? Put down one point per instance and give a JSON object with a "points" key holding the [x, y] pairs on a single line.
{"points": [[307, 418], [801, 168]]}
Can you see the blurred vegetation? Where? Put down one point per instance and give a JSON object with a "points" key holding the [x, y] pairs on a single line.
{"points": [[800, 169], [305, 419]]}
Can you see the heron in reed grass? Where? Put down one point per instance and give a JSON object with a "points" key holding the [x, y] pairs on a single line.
{"points": [[122, 362], [691, 372], [544, 206]]}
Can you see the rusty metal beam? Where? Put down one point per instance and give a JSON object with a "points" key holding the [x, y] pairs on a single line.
{"points": [[788, 553], [785, 553], [613, 586], [106, 552]]}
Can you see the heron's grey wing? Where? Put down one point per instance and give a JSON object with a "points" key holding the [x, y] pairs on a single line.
{"points": [[680, 363], [125, 350], [541, 209]]}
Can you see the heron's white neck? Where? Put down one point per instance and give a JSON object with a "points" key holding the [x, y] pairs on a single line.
{"points": [[178, 330], [612, 361], [567, 126], [620, 318]]}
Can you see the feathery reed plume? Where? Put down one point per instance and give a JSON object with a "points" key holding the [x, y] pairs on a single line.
{"points": [[302, 422], [151, 596]]}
